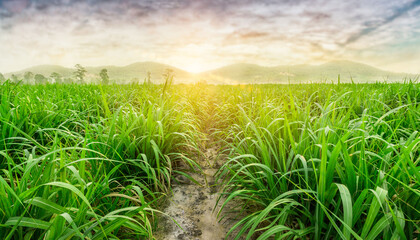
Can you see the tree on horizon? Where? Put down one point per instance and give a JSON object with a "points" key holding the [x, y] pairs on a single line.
{"points": [[40, 79], [148, 78], [14, 78], [2, 78], [104, 76], [56, 77], [28, 77], [80, 73]]}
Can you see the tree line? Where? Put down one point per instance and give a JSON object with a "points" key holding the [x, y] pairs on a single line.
{"points": [[79, 76]]}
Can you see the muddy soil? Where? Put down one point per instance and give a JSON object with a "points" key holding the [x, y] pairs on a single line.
{"points": [[192, 206]]}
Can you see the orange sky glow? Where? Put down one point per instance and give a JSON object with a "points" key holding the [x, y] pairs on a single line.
{"points": [[199, 35]]}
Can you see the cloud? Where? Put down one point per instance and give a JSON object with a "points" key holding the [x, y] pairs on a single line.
{"points": [[212, 32], [370, 27], [14, 6]]}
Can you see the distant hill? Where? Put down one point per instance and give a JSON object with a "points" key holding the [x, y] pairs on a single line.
{"points": [[45, 70], [241, 73], [234, 74], [133, 72], [250, 73], [139, 71]]}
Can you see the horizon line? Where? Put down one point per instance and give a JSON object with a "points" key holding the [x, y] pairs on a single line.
{"points": [[211, 69]]}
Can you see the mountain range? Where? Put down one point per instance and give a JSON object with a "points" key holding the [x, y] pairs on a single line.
{"points": [[233, 74]]}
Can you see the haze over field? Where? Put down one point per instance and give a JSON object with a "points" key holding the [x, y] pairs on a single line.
{"points": [[232, 74], [201, 35]]}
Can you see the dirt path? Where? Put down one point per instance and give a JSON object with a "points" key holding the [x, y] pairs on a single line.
{"points": [[191, 205]]}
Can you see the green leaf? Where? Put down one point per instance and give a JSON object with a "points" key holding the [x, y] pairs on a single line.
{"points": [[27, 222]]}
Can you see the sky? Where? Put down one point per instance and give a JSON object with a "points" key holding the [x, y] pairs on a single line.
{"points": [[199, 35]]}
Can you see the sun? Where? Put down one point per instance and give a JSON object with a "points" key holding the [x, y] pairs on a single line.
{"points": [[194, 67]]}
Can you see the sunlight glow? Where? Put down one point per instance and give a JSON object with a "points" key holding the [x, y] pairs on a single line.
{"points": [[195, 67], [203, 35]]}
